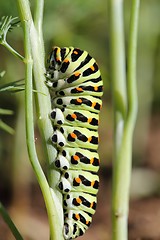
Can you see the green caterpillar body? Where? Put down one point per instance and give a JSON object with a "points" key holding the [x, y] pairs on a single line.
{"points": [[75, 80]]}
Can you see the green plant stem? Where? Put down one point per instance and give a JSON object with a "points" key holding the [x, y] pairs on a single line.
{"points": [[43, 107], [6, 128], [33, 50], [10, 223], [119, 95], [123, 158], [12, 50], [118, 65], [132, 53], [38, 20], [2, 74], [6, 111]]}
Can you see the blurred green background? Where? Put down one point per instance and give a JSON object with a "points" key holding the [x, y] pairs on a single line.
{"points": [[85, 24]]}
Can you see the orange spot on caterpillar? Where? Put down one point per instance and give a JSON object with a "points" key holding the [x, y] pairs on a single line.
{"points": [[79, 200], [91, 160], [89, 139], [79, 89], [93, 104], [57, 59], [92, 67], [75, 52], [95, 88], [74, 115], [77, 216], [91, 205], [73, 135], [76, 158], [78, 180], [92, 183], [66, 60], [77, 74], [79, 100], [89, 120], [87, 222]]}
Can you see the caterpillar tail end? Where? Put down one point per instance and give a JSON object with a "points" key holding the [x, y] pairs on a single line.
{"points": [[72, 231]]}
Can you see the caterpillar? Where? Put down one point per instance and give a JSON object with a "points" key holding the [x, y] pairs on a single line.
{"points": [[74, 77]]}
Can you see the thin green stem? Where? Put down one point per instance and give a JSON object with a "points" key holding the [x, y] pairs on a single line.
{"points": [[6, 111], [10, 223], [38, 20], [12, 50], [132, 54], [6, 128], [118, 65], [123, 160]]}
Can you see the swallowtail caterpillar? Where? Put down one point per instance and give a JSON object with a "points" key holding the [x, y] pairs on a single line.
{"points": [[77, 86]]}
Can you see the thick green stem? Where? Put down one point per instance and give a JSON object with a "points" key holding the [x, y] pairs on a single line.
{"points": [[34, 54], [124, 127]]}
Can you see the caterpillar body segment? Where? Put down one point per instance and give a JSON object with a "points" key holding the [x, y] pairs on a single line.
{"points": [[89, 103], [68, 136], [81, 118], [75, 80], [77, 158], [80, 201], [76, 87], [77, 181], [89, 88]]}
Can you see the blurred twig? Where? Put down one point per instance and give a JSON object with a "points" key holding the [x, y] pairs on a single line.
{"points": [[7, 24], [6, 127], [15, 86], [3, 125], [9, 222]]}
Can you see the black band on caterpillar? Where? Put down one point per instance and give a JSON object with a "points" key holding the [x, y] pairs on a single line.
{"points": [[77, 86]]}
